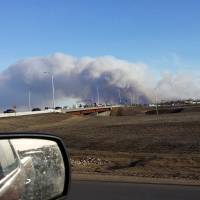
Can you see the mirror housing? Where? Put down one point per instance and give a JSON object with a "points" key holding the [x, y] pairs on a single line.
{"points": [[36, 138]]}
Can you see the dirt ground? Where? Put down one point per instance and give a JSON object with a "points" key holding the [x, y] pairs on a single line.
{"points": [[139, 145]]}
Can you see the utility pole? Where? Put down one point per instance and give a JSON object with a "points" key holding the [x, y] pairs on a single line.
{"points": [[53, 89], [97, 96], [137, 100], [120, 98], [156, 99], [131, 98], [134, 99], [29, 99]]}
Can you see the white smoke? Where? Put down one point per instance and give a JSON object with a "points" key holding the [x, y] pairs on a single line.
{"points": [[79, 78]]}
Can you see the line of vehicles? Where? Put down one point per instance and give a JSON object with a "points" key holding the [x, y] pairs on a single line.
{"points": [[13, 110]]}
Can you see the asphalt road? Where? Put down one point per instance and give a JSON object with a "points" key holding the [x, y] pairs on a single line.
{"points": [[124, 191]]}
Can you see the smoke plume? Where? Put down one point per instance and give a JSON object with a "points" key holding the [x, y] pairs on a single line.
{"points": [[80, 78]]}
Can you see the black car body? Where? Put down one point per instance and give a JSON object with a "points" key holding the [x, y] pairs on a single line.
{"points": [[36, 109], [9, 111]]}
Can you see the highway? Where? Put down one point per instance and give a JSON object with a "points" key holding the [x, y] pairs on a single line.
{"points": [[87, 110], [125, 191]]}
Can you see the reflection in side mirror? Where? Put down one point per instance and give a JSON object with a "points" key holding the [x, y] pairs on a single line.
{"points": [[31, 169]]}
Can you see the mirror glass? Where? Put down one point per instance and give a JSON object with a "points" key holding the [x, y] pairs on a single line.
{"points": [[30, 169]]}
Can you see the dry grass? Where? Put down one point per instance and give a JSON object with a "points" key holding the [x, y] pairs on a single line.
{"points": [[138, 145]]}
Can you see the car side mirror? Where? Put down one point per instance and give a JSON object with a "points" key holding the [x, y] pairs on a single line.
{"points": [[33, 166]]}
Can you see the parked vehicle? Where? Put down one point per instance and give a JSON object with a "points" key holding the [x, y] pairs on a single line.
{"points": [[36, 109], [9, 111], [58, 108]]}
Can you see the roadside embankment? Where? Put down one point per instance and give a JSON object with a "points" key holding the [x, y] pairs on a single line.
{"points": [[143, 146]]}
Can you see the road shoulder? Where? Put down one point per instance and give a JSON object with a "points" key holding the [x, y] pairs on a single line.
{"points": [[131, 179]]}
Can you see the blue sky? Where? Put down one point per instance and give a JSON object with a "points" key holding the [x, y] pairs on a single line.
{"points": [[162, 34]]}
